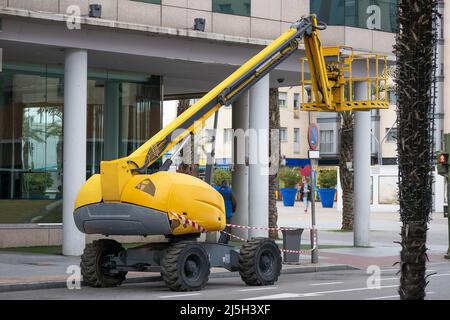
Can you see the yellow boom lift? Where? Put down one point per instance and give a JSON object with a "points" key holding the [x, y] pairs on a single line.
{"points": [[124, 200]]}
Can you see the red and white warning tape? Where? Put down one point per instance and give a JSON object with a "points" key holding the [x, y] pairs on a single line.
{"points": [[187, 221], [234, 236], [282, 250], [263, 228]]}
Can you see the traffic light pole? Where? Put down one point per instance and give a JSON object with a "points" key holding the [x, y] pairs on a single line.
{"points": [[447, 256], [443, 166], [314, 238], [447, 209]]}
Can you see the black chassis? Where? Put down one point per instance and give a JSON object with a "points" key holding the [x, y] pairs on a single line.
{"points": [[148, 257]]}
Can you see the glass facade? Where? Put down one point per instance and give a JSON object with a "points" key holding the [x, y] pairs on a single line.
{"points": [[237, 7], [123, 111], [368, 14]]}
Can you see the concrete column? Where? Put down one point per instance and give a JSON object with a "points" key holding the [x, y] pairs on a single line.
{"points": [[74, 161], [362, 171], [259, 158], [240, 119], [446, 53], [339, 204]]}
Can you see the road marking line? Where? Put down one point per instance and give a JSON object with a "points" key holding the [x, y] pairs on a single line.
{"points": [[389, 270], [382, 298], [309, 295], [300, 295], [389, 279], [325, 284], [276, 296], [180, 295], [355, 289], [434, 275], [392, 297], [437, 263], [257, 289], [440, 275]]}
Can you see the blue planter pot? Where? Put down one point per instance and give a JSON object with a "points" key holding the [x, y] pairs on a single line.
{"points": [[327, 197], [289, 196]]}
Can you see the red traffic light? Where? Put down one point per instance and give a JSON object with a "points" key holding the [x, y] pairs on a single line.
{"points": [[443, 158]]}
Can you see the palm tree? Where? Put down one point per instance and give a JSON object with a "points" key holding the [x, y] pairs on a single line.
{"points": [[416, 67], [346, 174], [190, 167], [274, 125]]}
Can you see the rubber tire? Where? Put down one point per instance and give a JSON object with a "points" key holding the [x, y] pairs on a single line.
{"points": [[249, 259], [91, 264], [173, 267]]}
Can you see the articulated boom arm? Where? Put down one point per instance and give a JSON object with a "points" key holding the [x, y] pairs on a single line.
{"points": [[118, 172]]}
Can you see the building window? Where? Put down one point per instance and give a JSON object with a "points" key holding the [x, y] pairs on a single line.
{"points": [[296, 135], [331, 12], [283, 134], [296, 140], [296, 106], [282, 99], [210, 135], [392, 97], [227, 135], [368, 14], [327, 141], [236, 7], [296, 100], [391, 135]]}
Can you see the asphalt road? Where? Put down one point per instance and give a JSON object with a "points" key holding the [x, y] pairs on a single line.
{"points": [[341, 285]]}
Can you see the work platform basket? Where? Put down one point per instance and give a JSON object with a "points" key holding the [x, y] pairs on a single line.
{"points": [[347, 73]]}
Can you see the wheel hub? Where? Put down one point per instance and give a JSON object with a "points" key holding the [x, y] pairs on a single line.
{"points": [[192, 268], [266, 263]]}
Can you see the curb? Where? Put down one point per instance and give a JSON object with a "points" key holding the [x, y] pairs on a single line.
{"points": [[218, 275]]}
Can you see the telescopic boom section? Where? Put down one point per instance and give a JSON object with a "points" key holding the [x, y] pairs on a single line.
{"points": [[115, 174]]}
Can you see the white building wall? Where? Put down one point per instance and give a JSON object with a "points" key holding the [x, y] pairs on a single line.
{"points": [[292, 119]]}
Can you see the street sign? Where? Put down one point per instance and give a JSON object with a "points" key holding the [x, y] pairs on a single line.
{"points": [[314, 154], [313, 136]]}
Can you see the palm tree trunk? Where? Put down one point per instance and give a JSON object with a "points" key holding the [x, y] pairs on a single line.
{"points": [[416, 67], [346, 175], [188, 166], [274, 124]]}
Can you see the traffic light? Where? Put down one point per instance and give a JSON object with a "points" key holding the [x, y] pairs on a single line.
{"points": [[443, 163]]}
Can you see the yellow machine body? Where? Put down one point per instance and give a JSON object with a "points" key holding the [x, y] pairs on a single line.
{"points": [[164, 193], [124, 200]]}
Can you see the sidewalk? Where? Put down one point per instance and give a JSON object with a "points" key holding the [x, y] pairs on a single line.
{"points": [[385, 231]]}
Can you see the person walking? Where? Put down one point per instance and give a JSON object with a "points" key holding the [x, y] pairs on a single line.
{"points": [[306, 195], [230, 208]]}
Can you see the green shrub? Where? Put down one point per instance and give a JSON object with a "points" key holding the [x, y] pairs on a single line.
{"points": [[38, 182], [289, 177], [327, 179], [221, 175]]}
